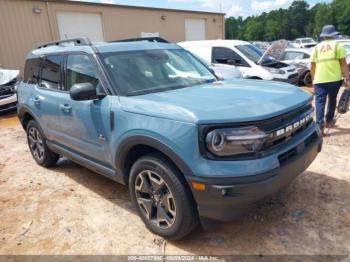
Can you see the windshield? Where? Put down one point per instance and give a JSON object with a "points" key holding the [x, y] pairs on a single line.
{"points": [[147, 71], [254, 54], [307, 41], [251, 52]]}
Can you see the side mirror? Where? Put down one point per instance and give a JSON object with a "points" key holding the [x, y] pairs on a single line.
{"points": [[83, 91]]}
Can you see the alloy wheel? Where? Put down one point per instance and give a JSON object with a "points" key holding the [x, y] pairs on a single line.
{"points": [[36, 143], [155, 199]]}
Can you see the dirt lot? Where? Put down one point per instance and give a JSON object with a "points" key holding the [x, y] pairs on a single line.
{"points": [[70, 210]]}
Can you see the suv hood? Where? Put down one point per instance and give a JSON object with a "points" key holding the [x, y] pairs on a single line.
{"points": [[221, 102]]}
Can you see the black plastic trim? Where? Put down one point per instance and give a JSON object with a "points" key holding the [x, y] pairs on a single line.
{"points": [[124, 148], [92, 165]]}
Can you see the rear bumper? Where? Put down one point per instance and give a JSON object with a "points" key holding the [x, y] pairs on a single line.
{"points": [[8, 103], [226, 198]]}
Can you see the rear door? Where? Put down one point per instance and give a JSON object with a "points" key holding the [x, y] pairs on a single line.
{"points": [[85, 126], [44, 99]]}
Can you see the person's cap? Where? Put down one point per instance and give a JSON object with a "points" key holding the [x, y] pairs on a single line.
{"points": [[329, 31]]}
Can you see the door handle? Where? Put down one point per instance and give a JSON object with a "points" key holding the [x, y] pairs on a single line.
{"points": [[66, 108], [36, 100]]}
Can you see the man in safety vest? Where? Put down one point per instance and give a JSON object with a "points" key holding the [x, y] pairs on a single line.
{"points": [[328, 65]]}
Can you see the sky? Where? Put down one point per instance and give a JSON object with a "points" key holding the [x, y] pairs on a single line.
{"points": [[230, 7]]}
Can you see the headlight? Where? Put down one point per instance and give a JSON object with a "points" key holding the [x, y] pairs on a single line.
{"points": [[275, 70], [235, 141]]}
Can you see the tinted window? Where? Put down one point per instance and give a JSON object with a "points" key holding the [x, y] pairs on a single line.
{"points": [[223, 55], [80, 69], [31, 71], [252, 52], [51, 72]]}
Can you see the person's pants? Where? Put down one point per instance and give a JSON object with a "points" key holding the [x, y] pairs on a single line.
{"points": [[321, 92]]}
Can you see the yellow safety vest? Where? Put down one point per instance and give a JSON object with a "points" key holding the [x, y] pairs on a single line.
{"points": [[326, 55]]}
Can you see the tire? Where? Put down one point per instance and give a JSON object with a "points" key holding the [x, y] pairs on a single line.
{"points": [[37, 146], [307, 79], [162, 198]]}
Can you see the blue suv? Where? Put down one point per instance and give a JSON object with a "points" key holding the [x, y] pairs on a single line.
{"points": [[150, 115]]}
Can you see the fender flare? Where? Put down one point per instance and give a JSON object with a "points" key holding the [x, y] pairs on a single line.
{"points": [[24, 109], [125, 146]]}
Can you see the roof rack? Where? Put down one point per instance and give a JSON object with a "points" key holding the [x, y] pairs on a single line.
{"points": [[148, 39], [76, 41]]}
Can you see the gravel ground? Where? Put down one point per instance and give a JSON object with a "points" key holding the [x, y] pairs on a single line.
{"points": [[70, 210]]}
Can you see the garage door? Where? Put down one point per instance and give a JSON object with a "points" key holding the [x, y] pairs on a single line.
{"points": [[75, 24], [195, 29]]}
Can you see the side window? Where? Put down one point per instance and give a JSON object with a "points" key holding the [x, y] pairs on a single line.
{"points": [[223, 55], [51, 72], [80, 69], [31, 71]]}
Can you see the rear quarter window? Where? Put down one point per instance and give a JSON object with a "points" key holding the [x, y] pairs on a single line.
{"points": [[31, 71], [51, 72]]}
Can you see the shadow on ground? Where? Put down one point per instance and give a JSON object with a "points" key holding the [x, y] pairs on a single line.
{"points": [[314, 209]]}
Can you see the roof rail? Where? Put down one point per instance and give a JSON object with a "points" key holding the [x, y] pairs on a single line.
{"points": [[76, 41], [148, 39]]}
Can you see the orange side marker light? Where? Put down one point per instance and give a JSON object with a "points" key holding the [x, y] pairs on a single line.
{"points": [[198, 186]]}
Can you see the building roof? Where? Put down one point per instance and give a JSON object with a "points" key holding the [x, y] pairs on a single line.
{"points": [[81, 2]]}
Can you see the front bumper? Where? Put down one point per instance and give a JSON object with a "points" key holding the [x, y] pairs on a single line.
{"points": [[292, 79], [224, 199], [8, 103]]}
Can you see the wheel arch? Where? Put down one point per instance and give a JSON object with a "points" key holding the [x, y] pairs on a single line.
{"points": [[25, 115], [137, 146]]}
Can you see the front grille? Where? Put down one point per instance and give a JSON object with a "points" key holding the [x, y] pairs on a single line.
{"points": [[277, 122], [276, 140]]}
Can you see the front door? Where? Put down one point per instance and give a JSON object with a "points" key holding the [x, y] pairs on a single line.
{"points": [[84, 124]]}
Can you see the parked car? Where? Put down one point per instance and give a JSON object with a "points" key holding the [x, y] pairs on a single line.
{"points": [[306, 42], [250, 60], [301, 59], [8, 85], [151, 116]]}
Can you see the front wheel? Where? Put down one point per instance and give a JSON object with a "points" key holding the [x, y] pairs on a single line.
{"points": [[162, 198]]}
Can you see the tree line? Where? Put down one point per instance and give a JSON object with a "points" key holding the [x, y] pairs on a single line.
{"points": [[299, 20]]}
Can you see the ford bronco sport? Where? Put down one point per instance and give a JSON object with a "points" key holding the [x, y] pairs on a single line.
{"points": [[149, 115]]}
